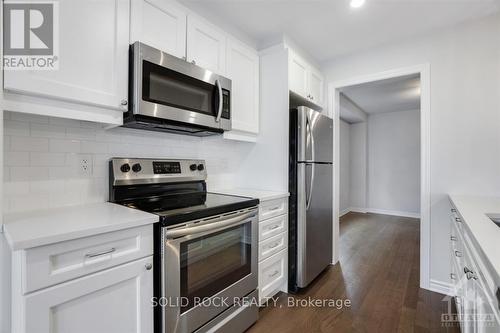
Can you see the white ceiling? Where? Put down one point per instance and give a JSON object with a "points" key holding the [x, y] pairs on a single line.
{"points": [[329, 28], [391, 95]]}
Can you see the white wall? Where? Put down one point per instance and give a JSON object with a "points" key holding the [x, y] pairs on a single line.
{"points": [[345, 166], [358, 164], [394, 162], [465, 104], [42, 156]]}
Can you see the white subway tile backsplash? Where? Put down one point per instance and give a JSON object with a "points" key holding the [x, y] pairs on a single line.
{"points": [[28, 173], [13, 127], [43, 155], [16, 158], [27, 143], [64, 146], [47, 159], [27, 117], [47, 131]]}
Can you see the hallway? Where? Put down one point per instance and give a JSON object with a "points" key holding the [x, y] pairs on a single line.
{"points": [[378, 272]]}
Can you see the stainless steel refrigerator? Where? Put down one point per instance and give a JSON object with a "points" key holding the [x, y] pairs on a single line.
{"points": [[311, 196]]}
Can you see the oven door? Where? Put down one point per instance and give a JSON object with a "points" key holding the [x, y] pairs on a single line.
{"points": [[212, 260], [170, 88]]}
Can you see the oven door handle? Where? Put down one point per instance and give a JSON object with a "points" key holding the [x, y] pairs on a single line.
{"points": [[219, 90], [196, 229]]}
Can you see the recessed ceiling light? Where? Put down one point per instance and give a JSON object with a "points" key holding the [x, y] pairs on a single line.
{"points": [[357, 3]]}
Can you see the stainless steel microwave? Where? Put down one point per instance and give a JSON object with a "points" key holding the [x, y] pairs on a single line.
{"points": [[172, 95]]}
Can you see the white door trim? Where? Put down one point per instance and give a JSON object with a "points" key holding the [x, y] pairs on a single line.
{"points": [[425, 126]]}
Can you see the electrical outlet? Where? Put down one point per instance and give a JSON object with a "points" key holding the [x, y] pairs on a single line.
{"points": [[85, 165]]}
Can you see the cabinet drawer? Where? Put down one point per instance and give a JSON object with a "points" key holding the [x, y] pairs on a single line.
{"points": [[272, 274], [273, 227], [272, 245], [273, 208], [51, 264]]}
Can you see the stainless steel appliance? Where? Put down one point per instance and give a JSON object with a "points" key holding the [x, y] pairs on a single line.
{"points": [[170, 94], [311, 196], [205, 244]]}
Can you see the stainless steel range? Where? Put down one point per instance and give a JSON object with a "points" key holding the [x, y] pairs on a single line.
{"points": [[205, 244]]}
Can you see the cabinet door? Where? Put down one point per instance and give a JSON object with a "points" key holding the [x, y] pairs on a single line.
{"points": [[93, 56], [117, 300], [243, 70], [160, 24], [298, 75], [206, 45], [487, 318], [315, 83]]}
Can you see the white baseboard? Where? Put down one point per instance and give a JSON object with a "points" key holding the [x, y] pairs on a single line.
{"points": [[380, 211], [357, 210], [441, 287], [393, 212], [343, 212]]}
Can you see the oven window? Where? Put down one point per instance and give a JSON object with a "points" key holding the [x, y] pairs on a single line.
{"points": [[167, 87], [212, 263]]}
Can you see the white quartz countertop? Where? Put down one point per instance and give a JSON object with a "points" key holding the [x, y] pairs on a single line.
{"points": [[31, 229], [262, 195], [473, 211]]}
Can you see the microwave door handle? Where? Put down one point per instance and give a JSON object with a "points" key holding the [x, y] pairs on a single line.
{"points": [[219, 111]]}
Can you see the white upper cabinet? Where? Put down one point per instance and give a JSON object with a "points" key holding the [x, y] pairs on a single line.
{"points": [[304, 79], [93, 57], [315, 82], [297, 74], [160, 24], [243, 70], [206, 45]]}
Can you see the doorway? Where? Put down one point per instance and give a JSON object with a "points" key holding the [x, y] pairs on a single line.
{"points": [[370, 194]]}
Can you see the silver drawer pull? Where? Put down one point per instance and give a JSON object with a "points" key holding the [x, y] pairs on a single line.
{"points": [[274, 208], [276, 226], [93, 255], [457, 219], [453, 210], [453, 276], [274, 245], [458, 254], [469, 273], [453, 238], [274, 274]]}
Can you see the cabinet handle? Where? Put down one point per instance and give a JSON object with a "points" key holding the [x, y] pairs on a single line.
{"points": [[458, 254], [453, 276], [276, 226], [453, 238], [274, 274], [274, 208], [148, 266], [458, 220], [124, 102], [93, 255], [453, 210], [275, 245], [469, 273]]}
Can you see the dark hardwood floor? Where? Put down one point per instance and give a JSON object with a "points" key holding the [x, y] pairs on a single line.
{"points": [[378, 272]]}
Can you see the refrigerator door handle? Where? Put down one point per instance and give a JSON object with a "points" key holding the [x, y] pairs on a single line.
{"points": [[311, 137], [311, 184]]}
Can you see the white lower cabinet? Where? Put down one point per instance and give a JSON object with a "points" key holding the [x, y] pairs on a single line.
{"points": [[273, 248], [115, 299], [473, 286]]}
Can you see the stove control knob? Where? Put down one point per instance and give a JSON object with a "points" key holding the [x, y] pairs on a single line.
{"points": [[125, 167], [201, 167], [136, 167], [192, 167]]}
